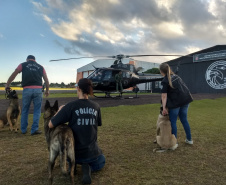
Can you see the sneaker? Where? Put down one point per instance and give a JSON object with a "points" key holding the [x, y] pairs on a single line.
{"points": [[189, 142], [86, 179], [36, 132], [174, 147]]}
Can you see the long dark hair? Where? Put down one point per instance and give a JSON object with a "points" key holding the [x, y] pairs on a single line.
{"points": [[86, 86], [165, 68]]}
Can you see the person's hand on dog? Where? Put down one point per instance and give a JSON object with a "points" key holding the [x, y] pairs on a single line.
{"points": [[7, 88], [164, 112]]}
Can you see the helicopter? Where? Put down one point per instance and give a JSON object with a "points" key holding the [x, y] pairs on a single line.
{"points": [[103, 78]]}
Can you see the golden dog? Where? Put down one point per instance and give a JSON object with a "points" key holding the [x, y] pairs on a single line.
{"points": [[165, 139]]}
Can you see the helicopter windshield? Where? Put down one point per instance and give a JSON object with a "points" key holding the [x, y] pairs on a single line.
{"points": [[97, 74], [101, 74], [107, 75]]}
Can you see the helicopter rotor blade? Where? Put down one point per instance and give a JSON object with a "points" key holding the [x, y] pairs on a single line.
{"points": [[82, 58], [127, 56], [120, 57]]}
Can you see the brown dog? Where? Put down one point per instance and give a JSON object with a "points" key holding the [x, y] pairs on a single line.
{"points": [[165, 139], [12, 113], [60, 141]]}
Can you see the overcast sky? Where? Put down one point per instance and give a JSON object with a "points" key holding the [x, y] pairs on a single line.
{"points": [[52, 29]]}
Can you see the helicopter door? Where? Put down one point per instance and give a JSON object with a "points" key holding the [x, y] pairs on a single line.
{"points": [[126, 78], [106, 77]]}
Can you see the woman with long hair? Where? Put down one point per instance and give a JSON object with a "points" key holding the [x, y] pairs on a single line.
{"points": [[83, 117], [175, 100]]}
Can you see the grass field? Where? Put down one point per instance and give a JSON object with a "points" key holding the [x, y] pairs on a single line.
{"points": [[126, 139]]}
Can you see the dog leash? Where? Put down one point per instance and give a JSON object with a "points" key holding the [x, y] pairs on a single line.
{"points": [[7, 91]]}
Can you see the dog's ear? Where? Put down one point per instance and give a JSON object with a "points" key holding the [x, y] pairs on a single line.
{"points": [[47, 105], [55, 106], [15, 94]]}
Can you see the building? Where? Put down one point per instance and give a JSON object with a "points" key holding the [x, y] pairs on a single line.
{"points": [[203, 71], [86, 70]]}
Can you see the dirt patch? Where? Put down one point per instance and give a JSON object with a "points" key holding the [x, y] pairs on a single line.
{"points": [[112, 102]]}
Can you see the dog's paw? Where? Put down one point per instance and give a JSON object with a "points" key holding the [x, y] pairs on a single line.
{"points": [[11, 129]]}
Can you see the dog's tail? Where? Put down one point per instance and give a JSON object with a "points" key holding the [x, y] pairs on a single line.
{"points": [[63, 153]]}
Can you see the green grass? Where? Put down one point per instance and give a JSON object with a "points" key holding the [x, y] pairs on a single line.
{"points": [[126, 139]]}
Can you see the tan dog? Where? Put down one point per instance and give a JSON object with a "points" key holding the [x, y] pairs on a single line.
{"points": [[12, 113], [165, 139]]}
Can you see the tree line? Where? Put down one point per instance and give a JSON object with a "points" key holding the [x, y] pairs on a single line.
{"points": [[153, 71]]}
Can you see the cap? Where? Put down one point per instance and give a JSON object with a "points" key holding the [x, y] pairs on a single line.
{"points": [[30, 57]]}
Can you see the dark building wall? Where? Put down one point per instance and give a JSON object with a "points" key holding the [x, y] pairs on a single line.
{"points": [[194, 73]]}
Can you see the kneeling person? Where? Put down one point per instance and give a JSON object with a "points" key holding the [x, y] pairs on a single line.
{"points": [[84, 117]]}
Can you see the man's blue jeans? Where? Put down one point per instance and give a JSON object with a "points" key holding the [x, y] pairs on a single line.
{"points": [[182, 113], [30, 95]]}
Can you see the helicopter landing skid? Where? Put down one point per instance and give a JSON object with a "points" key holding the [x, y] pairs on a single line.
{"points": [[119, 96], [131, 97], [108, 95]]}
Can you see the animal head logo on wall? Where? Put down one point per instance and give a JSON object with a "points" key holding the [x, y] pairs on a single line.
{"points": [[216, 75]]}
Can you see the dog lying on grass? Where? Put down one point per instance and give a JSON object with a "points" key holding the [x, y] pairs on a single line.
{"points": [[165, 139], [60, 141], [11, 116]]}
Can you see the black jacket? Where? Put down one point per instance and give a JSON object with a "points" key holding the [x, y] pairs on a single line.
{"points": [[177, 96]]}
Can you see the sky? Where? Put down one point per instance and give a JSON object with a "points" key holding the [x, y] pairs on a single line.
{"points": [[55, 29]]}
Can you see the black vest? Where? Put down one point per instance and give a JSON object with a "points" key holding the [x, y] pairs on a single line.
{"points": [[32, 74]]}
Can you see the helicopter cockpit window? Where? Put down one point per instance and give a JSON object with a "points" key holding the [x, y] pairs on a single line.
{"points": [[126, 74], [123, 74], [97, 75], [107, 75]]}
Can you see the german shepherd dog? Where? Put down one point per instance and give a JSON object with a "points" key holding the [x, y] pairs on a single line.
{"points": [[12, 113], [60, 141], [165, 139]]}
